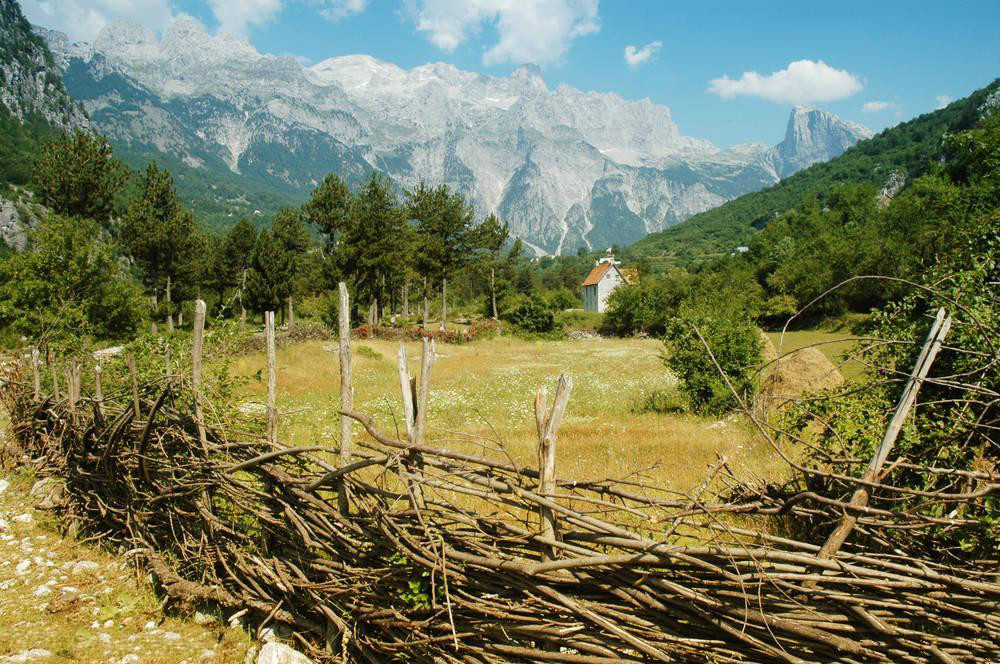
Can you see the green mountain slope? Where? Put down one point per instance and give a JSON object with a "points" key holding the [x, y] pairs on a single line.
{"points": [[909, 148]]}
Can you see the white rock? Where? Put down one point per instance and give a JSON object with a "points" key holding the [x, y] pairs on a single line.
{"points": [[204, 618], [104, 637], [279, 653], [4, 525], [130, 658], [23, 518], [4, 485], [84, 566], [22, 567], [42, 591], [171, 636], [207, 654]]}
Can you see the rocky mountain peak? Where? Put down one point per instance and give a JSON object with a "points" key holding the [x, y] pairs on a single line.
{"points": [[814, 135], [30, 82]]}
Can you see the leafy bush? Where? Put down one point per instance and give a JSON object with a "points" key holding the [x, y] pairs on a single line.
{"points": [[564, 299], [531, 315], [955, 423], [734, 343], [68, 286]]}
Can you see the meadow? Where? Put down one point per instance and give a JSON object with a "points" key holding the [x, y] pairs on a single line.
{"points": [[623, 420]]}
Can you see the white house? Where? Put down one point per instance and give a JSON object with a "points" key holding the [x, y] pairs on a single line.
{"points": [[606, 276]]}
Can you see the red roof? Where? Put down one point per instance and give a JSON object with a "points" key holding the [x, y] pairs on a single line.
{"points": [[596, 274]]}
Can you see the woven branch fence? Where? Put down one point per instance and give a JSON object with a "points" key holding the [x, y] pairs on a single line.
{"points": [[392, 549]]}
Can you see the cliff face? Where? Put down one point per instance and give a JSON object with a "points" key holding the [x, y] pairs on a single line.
{"points": [[30, 81]]}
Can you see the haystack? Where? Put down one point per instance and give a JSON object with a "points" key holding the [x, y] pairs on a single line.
{"points": [[796, 374]]}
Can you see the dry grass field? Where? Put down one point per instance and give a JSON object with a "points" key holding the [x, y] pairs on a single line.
{"points": [[483, 394]]}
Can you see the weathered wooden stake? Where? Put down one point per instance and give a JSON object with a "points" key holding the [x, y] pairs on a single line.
{"points": [[55, 376], [406, 298], [36, 374], [272, 379], [166, 361], [407, 392], [415, 411], [291, 314], [180, 319], [170, 314], [196, 348], [862, 494], [98, 388], [493, 292], [346, 393], [548, 428], [71, 389], [130, 361]]}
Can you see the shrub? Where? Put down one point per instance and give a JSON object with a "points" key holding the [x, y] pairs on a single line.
{"points": [[564, 299], [736, 346], [531, 315]]}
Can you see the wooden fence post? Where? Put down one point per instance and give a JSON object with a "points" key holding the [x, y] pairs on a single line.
{"points": [[55, 376], [291, 314], [414, 412], [272, 379], [71, 391], [346, 393], [196, 348], [130, 361], [862, 494], [36, 374], [548, 428], [98, 388]]}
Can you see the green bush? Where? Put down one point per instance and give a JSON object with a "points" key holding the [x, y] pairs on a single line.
{"points": [[531, 315], [736, 346], [564, 299]]}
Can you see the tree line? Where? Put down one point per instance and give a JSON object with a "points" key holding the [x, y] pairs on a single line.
{"points": [[145, 251]]}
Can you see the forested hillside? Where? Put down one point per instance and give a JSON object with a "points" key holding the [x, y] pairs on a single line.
{"points": [[909, 149]]}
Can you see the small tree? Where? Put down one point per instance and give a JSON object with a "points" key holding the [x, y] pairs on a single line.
{"points": [[489, 238], [77, 176], [736, 347]]}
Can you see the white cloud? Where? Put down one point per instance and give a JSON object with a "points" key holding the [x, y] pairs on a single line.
{"points": [[876, 106], [636, 56], [942, 101], [337, 10], [801, 81], [235, 16], [537, 31], [83, 19]]}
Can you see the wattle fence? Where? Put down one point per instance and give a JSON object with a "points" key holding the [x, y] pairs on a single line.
{"points": [[391, 548]]}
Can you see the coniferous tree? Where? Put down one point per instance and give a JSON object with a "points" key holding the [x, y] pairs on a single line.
{"points": [[77, 176], [159, 235], [234, 260], [269, 275], [444, 234], [289, 229], [489, 239]]}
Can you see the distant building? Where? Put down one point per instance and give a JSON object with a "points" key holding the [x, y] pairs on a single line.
{"points": [[606, 276]]}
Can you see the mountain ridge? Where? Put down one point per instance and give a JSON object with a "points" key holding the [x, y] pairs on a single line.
{"points": [[565, 168]]}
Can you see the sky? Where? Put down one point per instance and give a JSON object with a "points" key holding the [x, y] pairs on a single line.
{"points": [[729, 71]]}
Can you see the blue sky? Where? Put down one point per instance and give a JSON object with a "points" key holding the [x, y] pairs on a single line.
{"points": [[872, 62]]}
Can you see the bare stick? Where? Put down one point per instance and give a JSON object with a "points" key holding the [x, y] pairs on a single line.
{"points": [[166, 361], [272, 379], [346, 392], [130, 361], [196, 347], [906, 400], [548, 429], [36, 374]]}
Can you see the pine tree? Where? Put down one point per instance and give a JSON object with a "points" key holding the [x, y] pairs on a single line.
{"points": [[159, 235], [77, 176], [489, 238]]}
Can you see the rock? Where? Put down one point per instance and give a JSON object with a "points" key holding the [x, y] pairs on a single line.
{"points": [[4, 525], [4, 485], [22, 567], [84, 566], [251, 657], [106, 353], [236, 620], [49, 491], [23, 518], [204, 618], [28, 655], [130, 658], [171, 636], [279, 653]]}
